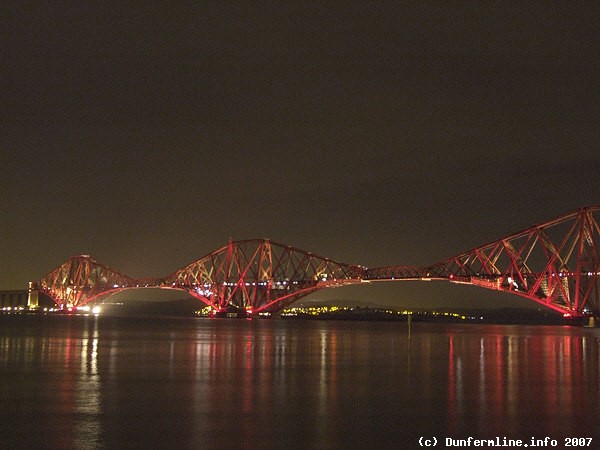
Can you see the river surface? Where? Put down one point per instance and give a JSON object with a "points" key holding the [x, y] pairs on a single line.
{"points": [[115, 382]]}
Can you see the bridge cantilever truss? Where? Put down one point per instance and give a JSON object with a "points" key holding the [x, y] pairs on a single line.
{"points": [[244, 276], [259, 275], [555, 263], [80, 280]]}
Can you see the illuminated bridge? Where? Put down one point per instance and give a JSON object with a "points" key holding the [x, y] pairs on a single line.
{"points": [[555, 263]]}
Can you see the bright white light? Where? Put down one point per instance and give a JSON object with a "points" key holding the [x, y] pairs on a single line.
{"points": [[96, 310]]}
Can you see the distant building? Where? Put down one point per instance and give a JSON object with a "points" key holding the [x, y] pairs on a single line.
{"points": [[14, 298], [26, 298]]}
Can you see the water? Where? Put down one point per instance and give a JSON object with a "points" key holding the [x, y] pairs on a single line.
{"points": [[107, 382]]}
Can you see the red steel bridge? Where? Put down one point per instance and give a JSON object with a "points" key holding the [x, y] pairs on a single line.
{"points": [[555, 264]]}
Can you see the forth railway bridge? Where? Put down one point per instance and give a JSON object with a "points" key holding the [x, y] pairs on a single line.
{"points": [[555, 264]]}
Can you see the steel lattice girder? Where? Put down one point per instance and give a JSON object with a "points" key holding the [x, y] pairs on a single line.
{"points": [[259, 275], [554, 263], [80, 280], [394, 273]]}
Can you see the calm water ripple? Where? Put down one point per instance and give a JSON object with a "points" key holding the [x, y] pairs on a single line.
{"points": [[107, 382]]}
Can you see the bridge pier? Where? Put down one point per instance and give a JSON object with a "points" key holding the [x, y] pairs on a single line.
{"points": [[591, 322], [238, 313]]}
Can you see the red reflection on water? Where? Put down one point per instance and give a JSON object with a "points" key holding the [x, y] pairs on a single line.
{"points": [[452, 411], [525, 376]]}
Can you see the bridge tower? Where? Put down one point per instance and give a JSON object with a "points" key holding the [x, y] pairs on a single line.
{"points": [[258, 275], [555, 263], [80, 280]]}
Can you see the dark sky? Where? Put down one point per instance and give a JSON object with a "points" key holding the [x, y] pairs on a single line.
{"points": [[148, 133]]}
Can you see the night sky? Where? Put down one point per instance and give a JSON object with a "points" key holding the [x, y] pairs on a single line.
{"points": [[149, 133]]}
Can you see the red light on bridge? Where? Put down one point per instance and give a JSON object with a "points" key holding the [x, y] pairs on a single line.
{"points": [[235, 279]]}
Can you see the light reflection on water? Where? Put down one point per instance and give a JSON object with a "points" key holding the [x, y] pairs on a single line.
{"points": [[88, 406], [87, 382]]}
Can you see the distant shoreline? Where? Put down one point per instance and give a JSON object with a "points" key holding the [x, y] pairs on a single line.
{"points": [[505, 316]]}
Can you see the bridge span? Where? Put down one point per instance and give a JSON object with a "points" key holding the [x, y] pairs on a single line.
{"points": [[555, 263]]}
